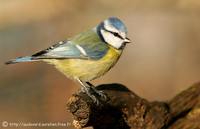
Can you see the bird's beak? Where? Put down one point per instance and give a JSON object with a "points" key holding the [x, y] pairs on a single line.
{"points": [[127, 40]]}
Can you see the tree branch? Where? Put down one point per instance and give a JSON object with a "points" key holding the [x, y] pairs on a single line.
{"points": [[126, 110]]}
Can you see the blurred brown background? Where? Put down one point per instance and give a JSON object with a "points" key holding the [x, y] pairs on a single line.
{"points": [[163, 59]]}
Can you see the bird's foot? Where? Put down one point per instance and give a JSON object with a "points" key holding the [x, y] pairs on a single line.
{"points": [[101, 94], [97, 96]]}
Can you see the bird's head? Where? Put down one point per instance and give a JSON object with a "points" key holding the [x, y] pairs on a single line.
{"points": [[113, 32]]}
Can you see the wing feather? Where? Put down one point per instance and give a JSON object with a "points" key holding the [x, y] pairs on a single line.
{"points": [[87, 45]]}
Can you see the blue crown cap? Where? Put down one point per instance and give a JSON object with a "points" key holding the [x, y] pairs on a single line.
{"points": [[117, 23]]}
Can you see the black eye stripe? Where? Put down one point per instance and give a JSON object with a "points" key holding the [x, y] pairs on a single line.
{"points": [[115, 34]]}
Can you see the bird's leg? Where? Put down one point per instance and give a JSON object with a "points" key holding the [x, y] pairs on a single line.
{"points": [[93, 93]]}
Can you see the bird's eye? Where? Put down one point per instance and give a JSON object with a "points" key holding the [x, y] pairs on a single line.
{"points": [[117, 35]]}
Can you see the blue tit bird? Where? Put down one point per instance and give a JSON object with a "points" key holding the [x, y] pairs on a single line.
{"points": [[87, 55]]}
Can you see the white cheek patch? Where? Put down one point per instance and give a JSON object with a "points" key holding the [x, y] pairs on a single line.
{"points": [[111, 39]]}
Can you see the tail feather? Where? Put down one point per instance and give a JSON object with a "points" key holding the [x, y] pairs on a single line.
{"points": [[21, 59]]}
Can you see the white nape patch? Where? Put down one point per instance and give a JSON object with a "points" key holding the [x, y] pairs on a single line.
{"points": [[81, 50], [114, 41]]}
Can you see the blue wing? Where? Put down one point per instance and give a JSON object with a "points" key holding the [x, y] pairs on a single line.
{"points": [[63, 49], [69, 49], [87, 45]]}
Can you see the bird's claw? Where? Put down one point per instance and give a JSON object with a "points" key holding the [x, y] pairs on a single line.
{"points": [[102, 95], [96, 96]]}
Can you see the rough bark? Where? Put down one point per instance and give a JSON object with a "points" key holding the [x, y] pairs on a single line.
{"points": [[126, 110]]}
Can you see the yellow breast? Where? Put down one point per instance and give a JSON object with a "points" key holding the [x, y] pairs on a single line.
{"points": [[87, 70]]}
